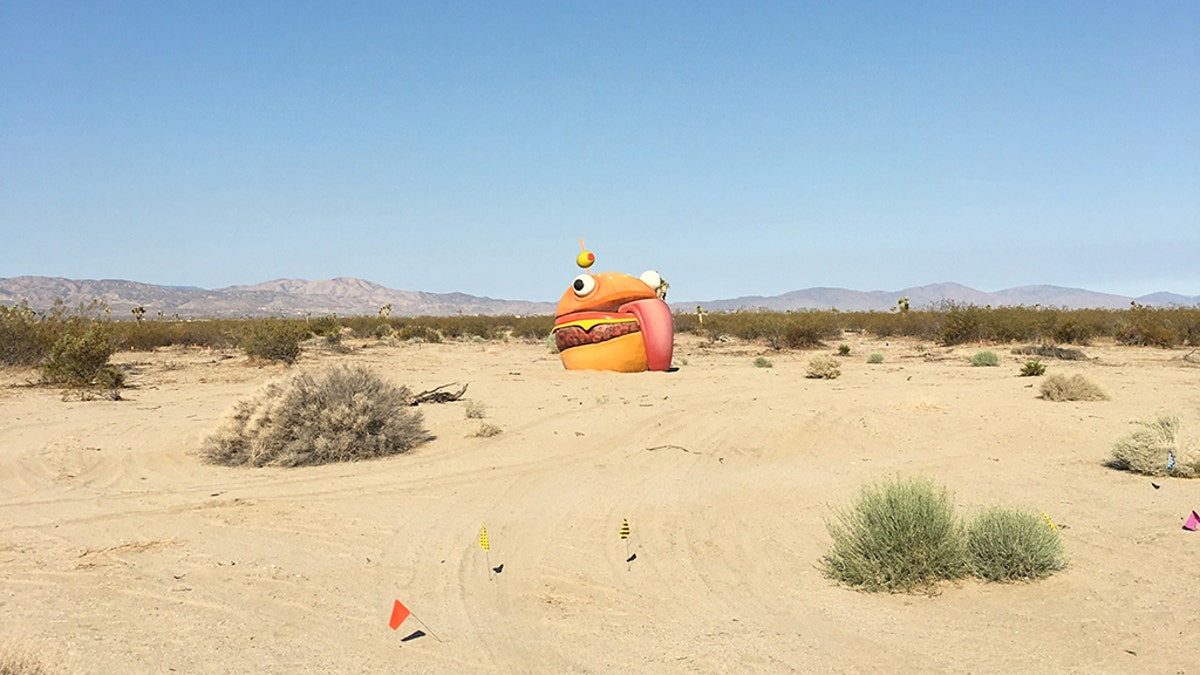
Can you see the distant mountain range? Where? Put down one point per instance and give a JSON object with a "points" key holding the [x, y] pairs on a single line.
{"points": [[351, 297]]}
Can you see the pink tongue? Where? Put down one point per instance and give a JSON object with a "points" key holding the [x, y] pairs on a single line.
{"points": [[658, 330]]}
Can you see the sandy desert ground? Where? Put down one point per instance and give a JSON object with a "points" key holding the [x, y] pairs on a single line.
{"points": [[121, 552]]}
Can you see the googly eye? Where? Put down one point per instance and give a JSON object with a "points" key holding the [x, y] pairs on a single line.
{"points": [[583, 285], [652, 279]]}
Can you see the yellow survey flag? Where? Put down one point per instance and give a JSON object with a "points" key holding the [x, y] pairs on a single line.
{"points": [[483, 542]]}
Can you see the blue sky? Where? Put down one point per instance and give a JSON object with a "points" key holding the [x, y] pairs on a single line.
{"points": [[738, 148]]}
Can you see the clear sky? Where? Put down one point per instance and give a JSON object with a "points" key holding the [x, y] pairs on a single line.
{"points": [[737, 147]]}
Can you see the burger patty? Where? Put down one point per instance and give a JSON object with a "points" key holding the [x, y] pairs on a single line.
{"points": [[574, 336]]}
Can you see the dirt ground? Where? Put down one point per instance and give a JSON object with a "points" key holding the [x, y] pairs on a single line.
{"points": [[120, 551]]}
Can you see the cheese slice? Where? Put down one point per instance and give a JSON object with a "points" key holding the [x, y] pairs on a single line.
{"points": [[588, 324]]}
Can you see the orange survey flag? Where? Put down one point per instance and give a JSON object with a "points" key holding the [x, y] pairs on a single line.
{"points": [[399, 614]]}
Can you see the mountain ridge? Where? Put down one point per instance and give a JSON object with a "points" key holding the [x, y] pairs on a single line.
{"points": [[350, 296]]}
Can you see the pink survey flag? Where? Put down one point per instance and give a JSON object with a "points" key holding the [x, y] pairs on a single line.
{"points": [[1192, 523]]}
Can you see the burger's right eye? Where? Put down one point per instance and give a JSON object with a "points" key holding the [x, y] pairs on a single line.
{"points": [[583, 285]]}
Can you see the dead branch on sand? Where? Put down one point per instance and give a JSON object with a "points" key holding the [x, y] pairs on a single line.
{"points": [[436, 395]]}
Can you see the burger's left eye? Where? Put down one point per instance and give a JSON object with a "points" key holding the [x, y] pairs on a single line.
{"points": [[583, 285]]}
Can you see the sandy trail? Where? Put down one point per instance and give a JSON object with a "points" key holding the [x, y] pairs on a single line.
{"points": [[121, 552]]}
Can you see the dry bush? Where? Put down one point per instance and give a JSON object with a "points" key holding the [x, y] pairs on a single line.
{"points": [[475, 410], [487, 430], [1051, 352], [1059, 387], [344, 414], [1150, 449], [15, 660], [823, 367]]}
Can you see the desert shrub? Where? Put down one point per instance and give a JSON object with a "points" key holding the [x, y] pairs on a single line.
{"points": [[77, 358], [843, 350], [763, 362], [960, 323], [533, 327], [1032, 369], [1150, 450], [272, 339], [418, 333], [487, 430], [324, 326], [900, 535], [1009, 544], [1059, 387], [25, 336], [1051, 352], [16, 660], [1147, 327], [875, 357], [823, 368], [343, 414], [475, 410], [1072, 331], [986, 358], [803, 330]]}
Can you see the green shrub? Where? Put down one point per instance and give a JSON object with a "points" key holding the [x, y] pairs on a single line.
{"points": [[76, 359], [25, 336], [875, 357], [1059, 387], [418, 333], [1032, 369], [1149, 450], [985, 358], [843, 350], [1148, 327], [343, 414], [961, 323], [273, 340], [1009, 544], [823, 368], [324, 326], [900, 535], [763, 362]]}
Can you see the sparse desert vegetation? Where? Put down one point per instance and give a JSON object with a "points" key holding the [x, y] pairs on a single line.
{"points": [[823, 367], [551, 488], [985, 358], [17, 660], [875, 357], [1033, 369], [903, 535], [1008, 544], [763, 362], [343, 414], [1157, 448], [899, 536], [1059, 387]]}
